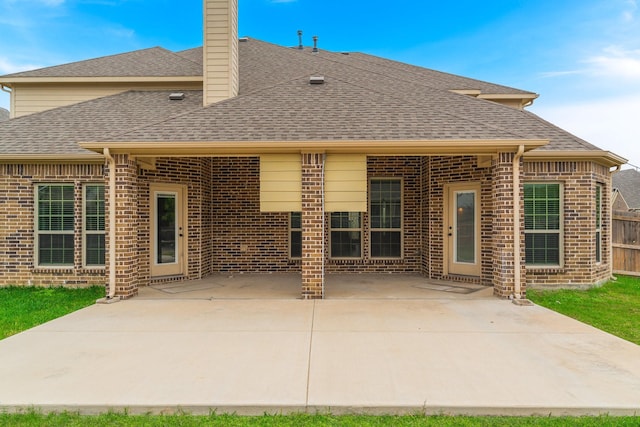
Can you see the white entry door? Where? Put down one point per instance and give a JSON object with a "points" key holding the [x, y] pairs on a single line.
{"points": [[168, 236], [462, 229]]}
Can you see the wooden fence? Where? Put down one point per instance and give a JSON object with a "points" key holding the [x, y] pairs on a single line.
{"points": [[626, 242]]}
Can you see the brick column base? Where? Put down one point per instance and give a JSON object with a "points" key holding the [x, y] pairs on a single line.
{"points": [[126, 226], [312, 226], [503, 229]]}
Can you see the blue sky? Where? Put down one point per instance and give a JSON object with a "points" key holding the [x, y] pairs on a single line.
{"points": [[581, 56]]}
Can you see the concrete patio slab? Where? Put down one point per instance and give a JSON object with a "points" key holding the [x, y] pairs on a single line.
{"points": [[454, 354]]}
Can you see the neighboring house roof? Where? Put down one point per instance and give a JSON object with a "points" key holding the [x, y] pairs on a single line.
{"points": [[627, 182], [4, 115], [363, 98], [152, 62]]}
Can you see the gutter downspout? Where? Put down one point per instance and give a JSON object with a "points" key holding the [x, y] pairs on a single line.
{"points": [[517, 268], [112, 224]]}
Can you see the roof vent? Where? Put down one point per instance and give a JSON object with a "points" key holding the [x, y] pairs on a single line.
{"points": [[315, 44], [243, 39], [300, 45], [316, 80], [176, 96]]}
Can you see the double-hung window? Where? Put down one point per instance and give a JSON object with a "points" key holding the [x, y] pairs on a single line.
{"points": [[598, 223], [55, 225], [542, 219], [295, 235], [93, 225], [346, 234], [386, 218]]}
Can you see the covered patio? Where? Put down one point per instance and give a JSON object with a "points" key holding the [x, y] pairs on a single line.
{"points": [[337, 286]]}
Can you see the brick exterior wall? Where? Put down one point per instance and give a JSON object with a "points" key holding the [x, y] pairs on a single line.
{"points": [[17, 235], [408, 169], [579, 180], [228, 233], [437, 172], [127, 223], [195, 175], [503, 228], [245, 239], [313, 241]]}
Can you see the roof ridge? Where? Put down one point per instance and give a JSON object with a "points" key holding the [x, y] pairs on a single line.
{"points": [[84, 61]]}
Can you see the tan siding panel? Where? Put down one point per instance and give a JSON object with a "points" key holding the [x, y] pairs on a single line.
{"points": [[280, 183], [346, 183], [33, 98]]}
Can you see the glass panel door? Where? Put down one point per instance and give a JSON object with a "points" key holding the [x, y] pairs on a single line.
{"points": [[462, 230], [465, 224], [167, 224], [166, 230]]}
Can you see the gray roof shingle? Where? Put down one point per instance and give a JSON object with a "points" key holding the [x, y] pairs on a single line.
{"points": [[627, 182], [152, 62], [58, 131], [363, 98]]}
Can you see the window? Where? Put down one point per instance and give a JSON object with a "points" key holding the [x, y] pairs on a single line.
{"points": [[93, 224], [54, 224], [386, 218], [598, 223], [346, 234], [542, 216], [295, 235]]}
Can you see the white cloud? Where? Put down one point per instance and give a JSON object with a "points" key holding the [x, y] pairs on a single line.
{"points": [[616, 62], [9, 67], [613, 62], [610, 124]]}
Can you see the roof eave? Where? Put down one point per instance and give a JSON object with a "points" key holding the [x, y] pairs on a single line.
{"points": [[606, 158], [49, 158], [102, 79], [377, 147]]}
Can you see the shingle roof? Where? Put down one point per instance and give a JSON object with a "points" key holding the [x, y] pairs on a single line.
{"points": [[627, 182], [58, 131], [4, 115], [364, 98], [361, 101], [152, 62]]}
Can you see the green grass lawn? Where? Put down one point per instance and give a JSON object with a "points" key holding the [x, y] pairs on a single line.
{"points": [[66, 420], [25, 307], [614, 307]]}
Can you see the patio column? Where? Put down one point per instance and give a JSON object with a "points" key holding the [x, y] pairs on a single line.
{"points": [[312, 226], [503, 227], [126, 229]]}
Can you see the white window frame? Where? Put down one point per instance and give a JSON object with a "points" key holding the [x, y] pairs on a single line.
{"points": [[86, 232], [38, 232], [560, 230]]}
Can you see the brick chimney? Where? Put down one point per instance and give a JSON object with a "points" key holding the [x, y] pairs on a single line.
{"points": [[220, 50]]}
